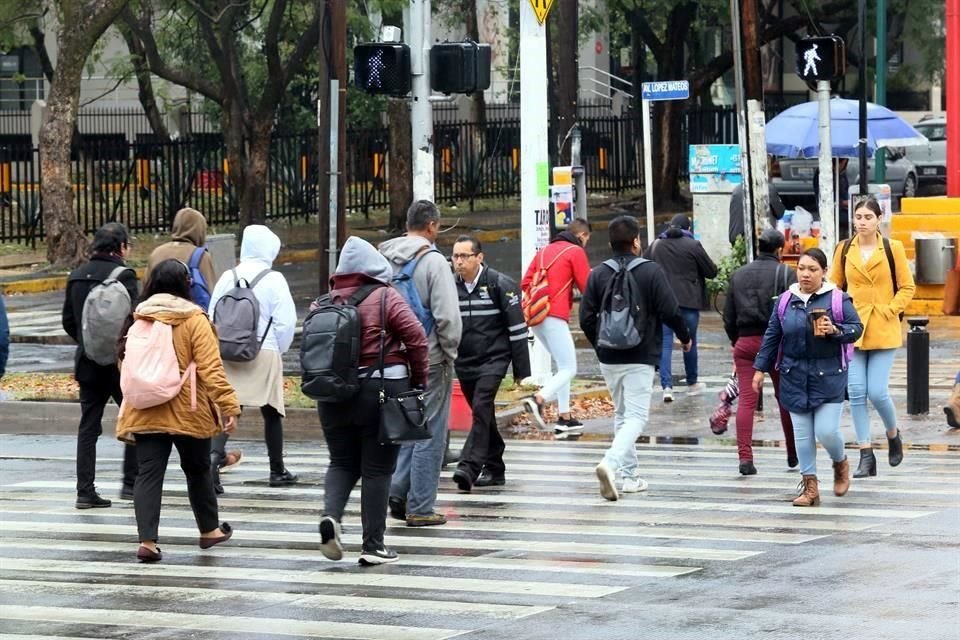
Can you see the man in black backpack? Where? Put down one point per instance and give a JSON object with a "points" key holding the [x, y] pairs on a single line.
{"points": [[628, 371], [98, 382], [494, 335]]}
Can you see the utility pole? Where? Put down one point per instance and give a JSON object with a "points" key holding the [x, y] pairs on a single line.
{"points": [[323, 145], [952, 70], [828, 222], [417, 27], [862, 74], [756, 118], [338, 148], [880, 162], [742, 132]]}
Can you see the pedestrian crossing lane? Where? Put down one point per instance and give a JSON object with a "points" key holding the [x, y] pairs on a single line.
{"points": [[544, 540]]}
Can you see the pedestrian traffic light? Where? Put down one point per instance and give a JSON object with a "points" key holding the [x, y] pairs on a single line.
{"points": [[821, 58], [459, 67], [382, 68]]}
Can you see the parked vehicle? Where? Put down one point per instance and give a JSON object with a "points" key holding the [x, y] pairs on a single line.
{"points": [[931, 158]]}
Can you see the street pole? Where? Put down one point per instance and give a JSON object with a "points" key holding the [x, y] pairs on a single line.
{"points": [[647, 170], [862, 69], [742, 132], [828, 221], [880, 162], [756, 119], [534, 161], [338, 123], [952, 70], [418, 26], [323, 144]]}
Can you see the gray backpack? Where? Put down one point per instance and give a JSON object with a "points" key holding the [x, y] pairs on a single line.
{"points": [[104, 311], [622, 312], [237, 317]]}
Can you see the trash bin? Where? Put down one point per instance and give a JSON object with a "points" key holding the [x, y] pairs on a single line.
{"points": [[936, 255], [223, 251]]}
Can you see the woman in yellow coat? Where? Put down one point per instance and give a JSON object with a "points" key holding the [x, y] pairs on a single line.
{"points": [[179, 422], [874, 271]]}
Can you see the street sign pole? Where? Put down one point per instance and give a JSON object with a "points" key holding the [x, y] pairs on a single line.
{"points": [[418, 26], [828, 221], [655, 92]]}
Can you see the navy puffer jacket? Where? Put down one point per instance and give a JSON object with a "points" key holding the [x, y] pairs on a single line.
{"points": [[812, 370]]}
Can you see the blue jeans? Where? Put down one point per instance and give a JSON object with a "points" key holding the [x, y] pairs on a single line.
{"points": [[630, 386], [823, 424], [869, 377], [417, 477], [692, 319]]}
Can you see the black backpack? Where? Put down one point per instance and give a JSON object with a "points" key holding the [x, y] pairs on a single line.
{"points": [[621, 308], [330, 347]]}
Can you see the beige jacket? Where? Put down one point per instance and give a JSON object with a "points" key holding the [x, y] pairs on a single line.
{"points": [[189, 232]]}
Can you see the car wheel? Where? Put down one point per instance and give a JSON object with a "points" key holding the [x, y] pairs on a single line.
{"points": [[910, 186]]}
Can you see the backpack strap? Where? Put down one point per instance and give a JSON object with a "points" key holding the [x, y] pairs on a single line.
{"points": [[782, 305], [613, 264], [196, 257], [360, 294], [259, 277], [116, 273], [892, 263], [843, 262]]}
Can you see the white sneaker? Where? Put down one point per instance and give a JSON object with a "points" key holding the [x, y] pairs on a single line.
{"points": [[330, 545], [608, 487], [668, 395], [534, 410], [633, 485], [696, 388]]}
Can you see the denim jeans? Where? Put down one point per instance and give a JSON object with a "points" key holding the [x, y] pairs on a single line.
{"points": [[630, 386], [417, 477], [692, 319], [555, 336], [823, 424], [869, 377]]}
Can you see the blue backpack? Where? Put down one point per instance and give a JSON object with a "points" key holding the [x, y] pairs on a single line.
{"points": [[403, 283], [199, 290]]}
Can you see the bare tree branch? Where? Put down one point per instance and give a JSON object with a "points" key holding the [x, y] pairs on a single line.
{"points": [[271, 45]]}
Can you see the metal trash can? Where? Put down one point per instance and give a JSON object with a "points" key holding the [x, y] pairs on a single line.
{"points": [[936, 255], [223, 251]]}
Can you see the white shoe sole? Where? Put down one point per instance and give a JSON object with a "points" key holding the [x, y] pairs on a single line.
{"points": [[641, 486], [608, 488], [370, 560], [331, 549], [534, 410]]}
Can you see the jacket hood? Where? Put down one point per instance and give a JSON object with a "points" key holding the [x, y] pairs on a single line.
{"points": [[166, 308], [361, 257], [826, 287], [402, 250], [189, 225], [259, 243], [566, 236]]}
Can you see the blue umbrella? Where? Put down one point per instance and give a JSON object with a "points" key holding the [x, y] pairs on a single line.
{"points": [[794, 133]]}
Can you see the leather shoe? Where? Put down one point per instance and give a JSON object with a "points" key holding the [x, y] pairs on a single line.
{"points": [[747, 468], [463, 480], [486, 479], [398, 508], [896, 450], [146, 555], [92, 501], [126, 493], [206, 543], [282, 479]]}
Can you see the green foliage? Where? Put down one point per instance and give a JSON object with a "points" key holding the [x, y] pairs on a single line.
{"points": [[726, 267]]}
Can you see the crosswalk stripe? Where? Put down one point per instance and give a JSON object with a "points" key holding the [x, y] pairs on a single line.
{"points": [[222, 624]]}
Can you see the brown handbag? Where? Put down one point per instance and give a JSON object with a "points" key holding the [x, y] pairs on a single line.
{"points": [[951, 290]]}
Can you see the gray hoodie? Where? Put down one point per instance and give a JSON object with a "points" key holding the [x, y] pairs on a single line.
{"points": [[438, 292], [359, 256]]}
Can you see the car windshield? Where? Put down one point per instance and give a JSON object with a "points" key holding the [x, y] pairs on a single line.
{"points": [[933, 131]]}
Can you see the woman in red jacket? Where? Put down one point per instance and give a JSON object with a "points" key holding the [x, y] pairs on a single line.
{"points": [[565, 262]]}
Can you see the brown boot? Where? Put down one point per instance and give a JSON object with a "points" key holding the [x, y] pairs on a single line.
{"points": [[811, 493], [841, 477], [952, 409]]}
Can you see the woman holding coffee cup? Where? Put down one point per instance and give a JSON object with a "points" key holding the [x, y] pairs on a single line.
{"points": [[806, 340], [874, 271]]}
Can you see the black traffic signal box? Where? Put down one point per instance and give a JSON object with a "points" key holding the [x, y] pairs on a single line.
{"points": [[821, 58], [459, 67], [382, 68]]}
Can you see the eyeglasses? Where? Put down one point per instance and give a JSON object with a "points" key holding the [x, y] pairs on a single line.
{"points": [[463, 256]]}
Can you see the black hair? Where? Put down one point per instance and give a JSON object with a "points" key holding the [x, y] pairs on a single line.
{"points": [[817, 255], [111, 238], [170, 276], [623, 231], [870, 203], [579, 225], [770, 240], [477, 247], [420, 214]]}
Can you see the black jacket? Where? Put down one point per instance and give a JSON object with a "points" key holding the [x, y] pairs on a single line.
{"points": [[660, 305], [687, 266], [735, 224], [752, 293], [79, 283], [494, 331]]}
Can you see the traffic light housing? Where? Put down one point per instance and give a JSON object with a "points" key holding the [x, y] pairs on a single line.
{"points": [[821, 58], [459, 67], [382, 68]]}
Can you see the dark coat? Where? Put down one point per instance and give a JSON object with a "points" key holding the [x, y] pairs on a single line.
{"points": [[660, 306], [494, 332], [79, 284], [751, 294], [811, 371], [735, 223], [687, 266]]}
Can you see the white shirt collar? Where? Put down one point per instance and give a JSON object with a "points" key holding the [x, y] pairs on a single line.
{"points": [[473, 285]]}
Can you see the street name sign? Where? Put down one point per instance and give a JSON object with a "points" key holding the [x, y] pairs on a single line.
{"points": [[673, 90]]}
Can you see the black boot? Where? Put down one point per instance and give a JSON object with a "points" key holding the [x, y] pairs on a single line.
{"points": [[868, 464], [896, 449]]}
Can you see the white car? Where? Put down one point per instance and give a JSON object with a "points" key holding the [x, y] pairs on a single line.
{"points": [[931, 159]]}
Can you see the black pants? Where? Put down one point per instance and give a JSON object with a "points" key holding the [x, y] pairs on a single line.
{"points": [[93, 399], [272, 435], [350, 429], [484, 446], [153, 454]]}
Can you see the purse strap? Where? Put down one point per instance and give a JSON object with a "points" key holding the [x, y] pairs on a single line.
{"points": [[383, 339]]}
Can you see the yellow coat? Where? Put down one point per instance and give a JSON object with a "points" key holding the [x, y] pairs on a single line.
{"points": [[194, 340], [871, 286]]}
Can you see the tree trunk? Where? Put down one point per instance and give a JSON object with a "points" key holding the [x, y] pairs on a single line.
{"points": [[567, 75], [400, 163], [148, 100], [253, 188], [478, 104]]}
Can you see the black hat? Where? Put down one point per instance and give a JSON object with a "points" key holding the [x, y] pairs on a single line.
{"points": [[680, 221]]}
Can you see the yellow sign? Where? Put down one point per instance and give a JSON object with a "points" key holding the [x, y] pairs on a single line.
{"points": [[541, 8]]}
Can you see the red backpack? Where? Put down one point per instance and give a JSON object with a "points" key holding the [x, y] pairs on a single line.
{"points": [[536, 297]]}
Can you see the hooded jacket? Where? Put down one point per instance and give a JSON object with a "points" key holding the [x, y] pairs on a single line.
{"points": [[189, 231], [686, 264], [567, 266], [194, 340], [811, 371], [258, 250], [434, 281], [405, 342]]}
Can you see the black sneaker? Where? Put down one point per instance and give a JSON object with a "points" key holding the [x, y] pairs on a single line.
{"points": [[486, 479], [378, 556], [747, 468], [463, 480], [330, 545], [282, 479], [126, 493], [398, 508], [92, 501]]}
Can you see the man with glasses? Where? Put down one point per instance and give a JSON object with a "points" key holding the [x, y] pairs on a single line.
{"points": [[494, 335]]}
